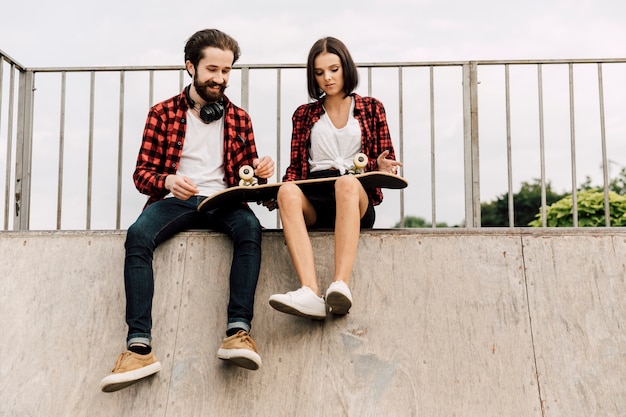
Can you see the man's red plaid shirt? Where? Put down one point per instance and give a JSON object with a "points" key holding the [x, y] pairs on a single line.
{"points": [[164, 137]]}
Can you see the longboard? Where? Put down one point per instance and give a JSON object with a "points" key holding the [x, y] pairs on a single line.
{"points": [[267, 192]]}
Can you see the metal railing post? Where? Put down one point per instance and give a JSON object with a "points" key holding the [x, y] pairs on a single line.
{"points": [[470, 135], [245, 88], [23, 150], [9, 149], [120, 149]]}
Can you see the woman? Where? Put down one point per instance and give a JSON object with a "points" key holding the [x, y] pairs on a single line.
{"points": [[326, 136]]}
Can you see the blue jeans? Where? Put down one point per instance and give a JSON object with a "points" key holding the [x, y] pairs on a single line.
{"points": [[162, 220]]}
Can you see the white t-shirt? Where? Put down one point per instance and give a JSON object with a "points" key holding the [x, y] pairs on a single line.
{"points": [[202, 159], [333, 148]]}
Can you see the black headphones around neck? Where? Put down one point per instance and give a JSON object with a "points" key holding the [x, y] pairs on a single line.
{"points": [[209, 112]]}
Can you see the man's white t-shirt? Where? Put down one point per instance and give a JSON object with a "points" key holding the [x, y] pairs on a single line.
{"points": [[202, 159]]}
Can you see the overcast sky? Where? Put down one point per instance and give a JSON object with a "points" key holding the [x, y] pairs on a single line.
{"points": [[136, 32], [40, 33]]}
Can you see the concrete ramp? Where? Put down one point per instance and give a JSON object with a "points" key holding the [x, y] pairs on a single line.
{"points": [[446, 322]]}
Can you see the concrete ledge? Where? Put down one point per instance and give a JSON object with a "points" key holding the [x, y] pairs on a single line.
{"points": [[472, 322]]}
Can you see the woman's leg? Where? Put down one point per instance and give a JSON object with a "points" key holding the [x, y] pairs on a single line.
{"points": [[352, 202], [296, 212]]}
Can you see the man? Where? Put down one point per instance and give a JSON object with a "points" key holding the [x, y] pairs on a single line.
{"points": [[193, 146]]}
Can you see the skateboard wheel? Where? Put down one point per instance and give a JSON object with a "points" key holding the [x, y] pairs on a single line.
{"points": [[246, 172], [360, 160]]}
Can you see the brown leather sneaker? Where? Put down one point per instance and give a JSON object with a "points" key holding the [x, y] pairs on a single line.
{"points": [[241, 350], [130, 368]]}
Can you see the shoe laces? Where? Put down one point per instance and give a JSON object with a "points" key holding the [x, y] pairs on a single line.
{"points": [[306, 290], [244, 337], [120, 359]]}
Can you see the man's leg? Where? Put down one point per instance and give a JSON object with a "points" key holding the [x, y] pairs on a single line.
{"points": [[243, 227], [156, 224]]}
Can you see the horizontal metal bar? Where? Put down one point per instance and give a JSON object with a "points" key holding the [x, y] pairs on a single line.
{"points": [[362, 65], [10, 60]]}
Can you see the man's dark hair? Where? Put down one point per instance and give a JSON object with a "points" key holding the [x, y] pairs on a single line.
{"points": [[194, 48], [350, 72]]}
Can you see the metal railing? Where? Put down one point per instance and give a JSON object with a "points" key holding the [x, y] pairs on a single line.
{"points": [[71, 135]]}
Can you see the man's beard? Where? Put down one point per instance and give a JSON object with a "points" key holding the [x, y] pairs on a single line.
{"points": [[207, 95]]}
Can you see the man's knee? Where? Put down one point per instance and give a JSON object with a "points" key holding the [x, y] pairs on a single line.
{"points": [[135, 235], [247, 226]]}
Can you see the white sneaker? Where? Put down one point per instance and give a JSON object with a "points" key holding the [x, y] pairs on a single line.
{"points": [[338, 297], [302, 302]]}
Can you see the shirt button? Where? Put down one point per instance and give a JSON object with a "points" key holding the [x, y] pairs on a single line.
{"points": [[183, 120]]}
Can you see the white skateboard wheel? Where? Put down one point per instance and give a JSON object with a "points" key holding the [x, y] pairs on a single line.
{"points": [[360, 160], [246, 172]]}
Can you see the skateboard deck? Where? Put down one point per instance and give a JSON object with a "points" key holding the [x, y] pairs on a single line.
{"points": [[267, 192]]}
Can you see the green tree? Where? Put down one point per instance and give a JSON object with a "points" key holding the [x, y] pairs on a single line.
{"points": [[526, 203], [417, 222], [618, 184]]}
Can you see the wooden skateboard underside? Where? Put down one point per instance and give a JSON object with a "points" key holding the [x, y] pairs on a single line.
{"points": [[266, 192]]}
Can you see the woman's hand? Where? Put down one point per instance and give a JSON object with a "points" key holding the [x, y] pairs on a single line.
{"points": [[387, 165]]}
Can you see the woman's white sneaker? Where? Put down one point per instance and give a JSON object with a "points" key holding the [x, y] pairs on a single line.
{"points": [[302, 302], [338, 297]]}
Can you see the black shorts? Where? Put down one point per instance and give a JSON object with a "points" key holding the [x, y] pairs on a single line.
{"points": [[322, 197]]}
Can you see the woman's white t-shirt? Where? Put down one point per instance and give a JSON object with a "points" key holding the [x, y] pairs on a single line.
{"points": [[332, 147]]}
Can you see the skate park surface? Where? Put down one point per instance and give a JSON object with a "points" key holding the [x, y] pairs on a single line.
{"points": [[445, 322]]}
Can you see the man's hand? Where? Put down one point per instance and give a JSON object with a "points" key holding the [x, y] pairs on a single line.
{"points": [[263, 167], [270, 204], [181, 187]]}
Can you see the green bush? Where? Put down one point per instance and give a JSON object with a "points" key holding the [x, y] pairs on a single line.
{"points": [[590, 210]]}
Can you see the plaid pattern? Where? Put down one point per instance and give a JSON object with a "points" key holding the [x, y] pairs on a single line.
{"points": [[164, 137], [375, 137]]}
